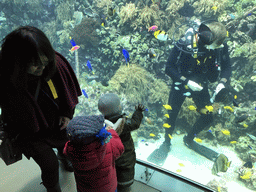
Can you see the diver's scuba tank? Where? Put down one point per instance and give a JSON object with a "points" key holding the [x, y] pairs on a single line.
{"points": [[189, 42]]}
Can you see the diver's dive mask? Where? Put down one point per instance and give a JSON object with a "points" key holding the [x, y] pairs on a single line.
{"points": [[207, 38]]}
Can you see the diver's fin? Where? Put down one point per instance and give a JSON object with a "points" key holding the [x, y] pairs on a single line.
{"points": [[158, 156], [202, 150]]}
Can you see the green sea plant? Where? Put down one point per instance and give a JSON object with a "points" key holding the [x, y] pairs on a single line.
{"points": [[149, 16], [64, 11], [159, 92], [210, 7], [134, 81], [128, 13], [173, 6], [85, 33]]}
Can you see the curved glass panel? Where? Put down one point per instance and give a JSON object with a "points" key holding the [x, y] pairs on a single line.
{"points": [[123, 47]]}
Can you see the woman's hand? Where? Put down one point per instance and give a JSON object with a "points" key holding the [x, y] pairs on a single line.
{"points": [[64, 122]]}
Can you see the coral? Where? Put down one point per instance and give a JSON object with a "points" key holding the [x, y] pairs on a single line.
{"points": [[64, 36], [65, 11], [242, 144], [128, 13], [78, 16], [185, 115], [133, 81], [102, 3], [248, 176], [149, 16], [174, 6], [159, 92], [218, 185], [210, 7], [85, 33]]}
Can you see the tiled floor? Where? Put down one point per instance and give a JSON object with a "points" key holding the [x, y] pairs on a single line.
{"points": [[25, 176]]}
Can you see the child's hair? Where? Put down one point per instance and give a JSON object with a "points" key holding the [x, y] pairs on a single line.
{"points": [[109, 104]]}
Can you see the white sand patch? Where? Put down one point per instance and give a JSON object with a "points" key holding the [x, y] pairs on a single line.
{"points": [[196, 167]]}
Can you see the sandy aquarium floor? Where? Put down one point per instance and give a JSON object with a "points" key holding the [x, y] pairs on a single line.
{"points": [[196, 167]]}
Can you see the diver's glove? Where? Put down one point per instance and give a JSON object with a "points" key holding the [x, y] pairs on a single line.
{"points": [[2, 136], [220, 94], [219, 87], [194, 86], [140, 107]]}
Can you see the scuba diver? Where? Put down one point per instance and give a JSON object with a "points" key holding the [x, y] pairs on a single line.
{"points": [[199, 57]]}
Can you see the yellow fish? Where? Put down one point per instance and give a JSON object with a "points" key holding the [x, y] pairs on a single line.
{"points": [[214, 8], [233, 142], [235, 97], [198, 140], [247, 175], [166, 125], [102, 24], [181, 164], [186, 87], [170, 136], [225, 132], [245, 125], [229, 108], [167, 115], [178, 170], [227, 34], [152, 135], [209, 108], [219, 189], [192, 108], [168, 107]]}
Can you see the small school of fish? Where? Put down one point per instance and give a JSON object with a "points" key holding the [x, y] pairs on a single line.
{"points": [[152, 28], [126, 56], [74, 45], [168, 107], [192, 108], [225, 132], [166, 125], [167, 115], [221, 164], [229, 108], [161, 35], [89, 66], [209, 108], [170, 136], [247, 175], [198, 140]]}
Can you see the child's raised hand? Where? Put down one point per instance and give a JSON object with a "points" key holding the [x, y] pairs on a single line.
{"points": [[140, 107]]}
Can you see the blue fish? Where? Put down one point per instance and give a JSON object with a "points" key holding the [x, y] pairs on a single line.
{"points": [[84, 93], [89, 66], [232, 16], [146, 109], [73, 43], [210, 130], [126, 56], [249, 14]]}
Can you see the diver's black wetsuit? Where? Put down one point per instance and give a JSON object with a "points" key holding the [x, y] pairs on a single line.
{"points": [[201, 71]]}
